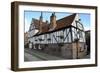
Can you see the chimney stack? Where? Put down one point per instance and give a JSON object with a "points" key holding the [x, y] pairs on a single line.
{"points": [[53, 21]]}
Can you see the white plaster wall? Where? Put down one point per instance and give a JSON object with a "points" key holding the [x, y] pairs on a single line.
{"points": [[52, 36]]}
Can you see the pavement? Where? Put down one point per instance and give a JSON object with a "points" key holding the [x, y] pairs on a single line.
{"points": [[34, 55], [87, 56], [29, 57]]}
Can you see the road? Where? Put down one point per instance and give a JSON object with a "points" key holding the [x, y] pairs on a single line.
{"points": [[34, 55], [29, 57]]}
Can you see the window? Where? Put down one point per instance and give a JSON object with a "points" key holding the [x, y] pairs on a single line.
{"points": [[79, 25]]}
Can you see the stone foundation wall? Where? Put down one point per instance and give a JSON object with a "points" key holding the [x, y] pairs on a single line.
{"points": [[79, 50], [68, 50]]}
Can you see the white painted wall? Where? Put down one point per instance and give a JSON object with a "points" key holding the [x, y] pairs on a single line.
{"points": [[78, 24], [76, 19], [5, 39], [53, 36]]}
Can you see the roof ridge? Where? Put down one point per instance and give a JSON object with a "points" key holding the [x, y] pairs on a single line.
{"points": [[67, 16]]}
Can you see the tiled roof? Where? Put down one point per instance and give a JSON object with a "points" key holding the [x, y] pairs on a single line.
{"points": [[61, 23], [65, 22], [36, 23]]}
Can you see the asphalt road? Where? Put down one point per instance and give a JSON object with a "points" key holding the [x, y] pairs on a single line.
{"points": [[29, 57], [33, 55]]}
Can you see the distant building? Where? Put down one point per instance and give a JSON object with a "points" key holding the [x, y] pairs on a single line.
{"points": [[64, 37], [26, 38], [26, 42], [87, 36]]}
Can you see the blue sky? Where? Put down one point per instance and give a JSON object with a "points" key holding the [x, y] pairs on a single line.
{"points": [[28, 15]]}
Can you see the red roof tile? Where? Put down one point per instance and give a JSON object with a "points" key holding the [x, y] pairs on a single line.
{"points": [[61, 23], [65, 22]]}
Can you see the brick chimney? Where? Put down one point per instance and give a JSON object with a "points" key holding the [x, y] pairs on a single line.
{"points": [[53, 21]]}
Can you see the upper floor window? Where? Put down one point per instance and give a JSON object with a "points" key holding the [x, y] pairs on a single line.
{"points": [[79, 25]]}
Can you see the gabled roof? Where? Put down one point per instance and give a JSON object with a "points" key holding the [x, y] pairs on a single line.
{"points": [[65, 22], [36, 23], [61, 24], [45, 27]]}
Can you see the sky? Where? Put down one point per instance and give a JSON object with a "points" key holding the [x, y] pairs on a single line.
{"points": [[28, 15]]}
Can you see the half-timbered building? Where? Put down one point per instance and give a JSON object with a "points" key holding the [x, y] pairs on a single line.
{"points": [[64, 37]]}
